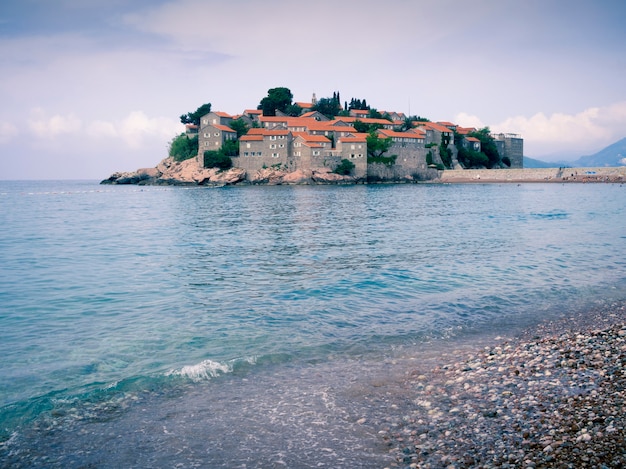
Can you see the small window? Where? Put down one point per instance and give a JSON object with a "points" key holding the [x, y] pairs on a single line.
{"points": [[245, 153], [217, 134], [275, 155], [247, 145], [273, 145]]}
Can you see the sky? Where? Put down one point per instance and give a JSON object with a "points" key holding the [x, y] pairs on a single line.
{"points": [[91, 87]]}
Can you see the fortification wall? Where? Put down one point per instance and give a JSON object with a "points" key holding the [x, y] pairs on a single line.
{"points": [[612, 174]]}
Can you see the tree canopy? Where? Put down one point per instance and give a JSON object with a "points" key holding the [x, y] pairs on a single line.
{"points": [[183, 147], [277, 99], [487, 157], [194, 117]]}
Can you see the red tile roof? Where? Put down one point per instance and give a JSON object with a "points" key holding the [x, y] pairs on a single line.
{"points": [[223, 128], [391, 133]]}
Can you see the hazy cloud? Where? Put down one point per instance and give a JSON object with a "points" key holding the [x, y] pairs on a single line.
{"points": [[46, 127], [584, 131], [7, 131]]}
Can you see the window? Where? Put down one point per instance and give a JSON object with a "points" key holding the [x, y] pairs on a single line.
{"points": [[245, 153], [272, 137], [217, 134], [247, 145], [206, 135], [282, 145], [275, 155], [352, 147], [282, 137], [205, 121], [273, 145], [298, 153], [316, 152]]}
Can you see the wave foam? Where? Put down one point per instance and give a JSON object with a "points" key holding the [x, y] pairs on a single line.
{"points": [[206, 369]]}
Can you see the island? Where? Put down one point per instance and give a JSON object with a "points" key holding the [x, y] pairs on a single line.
{"points": [[326, 142]]}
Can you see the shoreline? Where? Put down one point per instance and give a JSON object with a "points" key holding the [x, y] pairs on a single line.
{"points": [[552, 397]]}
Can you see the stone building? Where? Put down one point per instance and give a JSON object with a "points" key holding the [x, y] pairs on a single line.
{"points": [[512, 147]]}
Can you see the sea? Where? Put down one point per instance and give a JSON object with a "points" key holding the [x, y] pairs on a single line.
{"points": [[269, 326]]}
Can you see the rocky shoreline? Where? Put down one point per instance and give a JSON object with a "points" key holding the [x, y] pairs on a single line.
{"points": [[553, 397], [187, 173]]}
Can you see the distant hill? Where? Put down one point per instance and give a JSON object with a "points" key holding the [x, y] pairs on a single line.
{"points": [[533, 163], [613, 155]]}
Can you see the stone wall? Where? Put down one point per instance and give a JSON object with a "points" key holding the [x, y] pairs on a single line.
{"points": [[612, 174]]}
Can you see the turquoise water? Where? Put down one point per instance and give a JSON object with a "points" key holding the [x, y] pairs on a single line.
{"points": [[115, 299]]}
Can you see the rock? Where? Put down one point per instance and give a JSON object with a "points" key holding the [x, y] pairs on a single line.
{"points": [[170, 172], [325, 176]]}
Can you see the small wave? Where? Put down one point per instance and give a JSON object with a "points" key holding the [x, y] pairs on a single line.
{"points": [[208, 369], [550, 215]]}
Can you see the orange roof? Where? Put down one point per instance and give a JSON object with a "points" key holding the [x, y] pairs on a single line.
{"points": [[253, 111], [327, 126], [434, 126], [222, 114], [251, 138], [312, 138], [265, 132], [365, 120], [223, 128], [305, 105], [391, 133], [472, 139], [356, 138], [465, 130]]}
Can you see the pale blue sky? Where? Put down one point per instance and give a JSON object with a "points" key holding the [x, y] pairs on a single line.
{"points": [[91, 87]]}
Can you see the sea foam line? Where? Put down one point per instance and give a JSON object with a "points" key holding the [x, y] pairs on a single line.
{"points": [[208, 369]]}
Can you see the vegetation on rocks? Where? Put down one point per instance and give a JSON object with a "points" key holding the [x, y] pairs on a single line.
{"points": [[183, 147], [344, 168]]}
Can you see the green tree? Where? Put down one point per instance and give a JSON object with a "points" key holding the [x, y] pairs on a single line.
{"points": [[194, 117], [376, 146], [239, 126], [230, 148], [364, 128], [344, 168], [487, 146], [277, 99], [330, 107], [293, 110], [374, 114], [183, 147]]}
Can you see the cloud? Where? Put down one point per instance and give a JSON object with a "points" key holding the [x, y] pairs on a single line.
{"points": [[137, 126], [586, 130], [49, 127], [7, 131]]}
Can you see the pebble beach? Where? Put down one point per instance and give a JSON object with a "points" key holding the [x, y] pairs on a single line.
{"points": [[551, 397]]}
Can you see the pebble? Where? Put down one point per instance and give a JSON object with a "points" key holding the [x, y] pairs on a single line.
{"points": [[553, 397]]}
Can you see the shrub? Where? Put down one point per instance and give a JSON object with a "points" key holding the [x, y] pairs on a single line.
{"points": [[217, 159], [183, 147], [344, 168]]}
